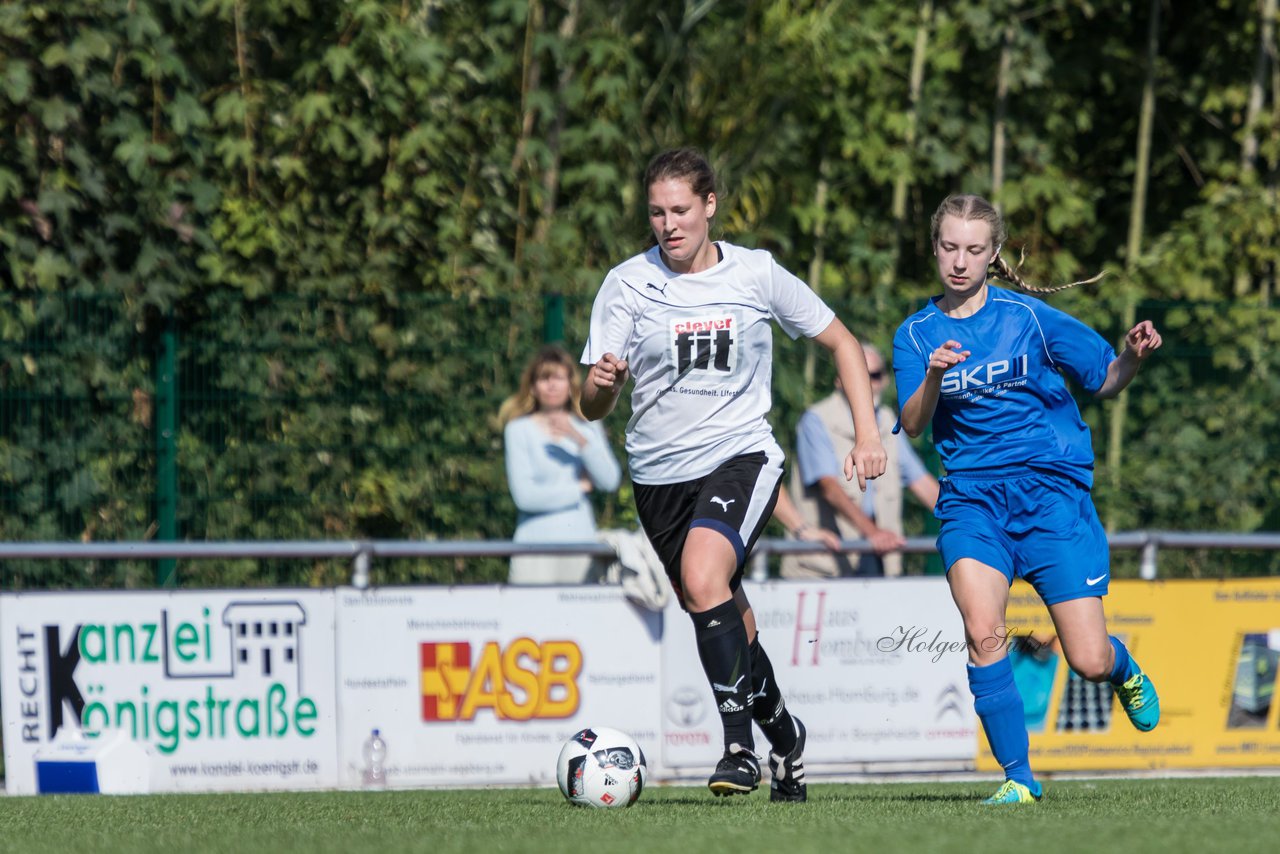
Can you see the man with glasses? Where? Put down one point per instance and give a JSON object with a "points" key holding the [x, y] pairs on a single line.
{"points": [[824, 436]]}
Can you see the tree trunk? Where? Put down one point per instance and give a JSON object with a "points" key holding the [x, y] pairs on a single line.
{"points": [[1002, 106], [519, 165], [1253, 109], [816, 263], [1137, 213], [1258, 86], [918, 55], [551, 178], [1257, 94], [242, 66], [901, 183], [1269, 280]]}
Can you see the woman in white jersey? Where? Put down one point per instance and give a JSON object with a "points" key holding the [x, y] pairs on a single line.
{"points": [[690, 321]]}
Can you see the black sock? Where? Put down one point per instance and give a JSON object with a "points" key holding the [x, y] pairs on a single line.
{"points": [[768, 707], [726, 659]]}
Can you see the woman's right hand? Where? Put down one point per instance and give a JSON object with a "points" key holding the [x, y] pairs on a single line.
{"points": [[610, 372], [946, 357], [605, 380]]}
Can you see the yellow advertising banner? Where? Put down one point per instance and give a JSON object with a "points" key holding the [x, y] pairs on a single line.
{"points": [[1210, 647]]}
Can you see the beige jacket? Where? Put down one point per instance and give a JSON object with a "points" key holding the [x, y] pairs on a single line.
{"points": [[833, 412]]}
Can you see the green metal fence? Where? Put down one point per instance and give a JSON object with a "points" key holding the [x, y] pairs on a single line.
{"points": [[294, 418]]}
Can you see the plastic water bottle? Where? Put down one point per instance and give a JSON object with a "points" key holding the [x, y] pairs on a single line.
{"points": [[375, 760]]}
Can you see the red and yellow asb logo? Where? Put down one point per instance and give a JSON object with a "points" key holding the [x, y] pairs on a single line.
{"points": [[525, 680]]}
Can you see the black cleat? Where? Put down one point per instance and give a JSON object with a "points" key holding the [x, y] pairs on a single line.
{"points": [[788, 771], [737, 772]]}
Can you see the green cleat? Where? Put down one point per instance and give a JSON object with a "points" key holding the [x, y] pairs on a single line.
{"points": [[1138, 697], [1013, 792]]}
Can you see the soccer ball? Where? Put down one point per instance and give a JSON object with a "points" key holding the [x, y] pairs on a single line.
{"points": [[601, 767]]}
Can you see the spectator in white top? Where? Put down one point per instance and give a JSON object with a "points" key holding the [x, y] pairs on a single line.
{"points": [[555, 459]]}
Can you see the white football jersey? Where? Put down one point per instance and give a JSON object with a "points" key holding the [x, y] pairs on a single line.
{"points": [[700, 350]]}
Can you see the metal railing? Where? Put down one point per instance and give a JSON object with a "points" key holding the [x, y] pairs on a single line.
{"points": [[1147, 542], [361, 553]]}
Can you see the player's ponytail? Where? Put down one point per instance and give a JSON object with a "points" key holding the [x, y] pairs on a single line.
{"points": [[1009, 274], [967, 206]]}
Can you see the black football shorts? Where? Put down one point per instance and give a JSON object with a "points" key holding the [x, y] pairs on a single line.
{"points": [[736, 500]]}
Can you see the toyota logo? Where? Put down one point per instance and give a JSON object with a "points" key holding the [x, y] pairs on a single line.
{"points": [[686, 706]]}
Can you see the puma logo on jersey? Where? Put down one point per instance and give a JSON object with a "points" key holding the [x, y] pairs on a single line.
{"points": [[716, 499], [662, 290]]}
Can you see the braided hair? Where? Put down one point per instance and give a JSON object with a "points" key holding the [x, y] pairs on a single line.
{"points": [[967, 206]]}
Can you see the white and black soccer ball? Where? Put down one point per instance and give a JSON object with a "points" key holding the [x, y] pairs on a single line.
{"points": [[601, 767]]}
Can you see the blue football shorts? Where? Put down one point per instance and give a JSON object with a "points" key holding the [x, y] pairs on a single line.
{"points": [[1038, 526]]}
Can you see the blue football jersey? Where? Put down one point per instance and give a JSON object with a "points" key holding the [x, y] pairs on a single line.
{"points": [[1007, 404]]}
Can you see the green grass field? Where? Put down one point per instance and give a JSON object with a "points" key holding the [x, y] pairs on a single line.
{"points": [[1168, 815]]}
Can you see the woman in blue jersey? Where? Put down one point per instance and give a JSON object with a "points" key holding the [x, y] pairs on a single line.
{"points": [[985, 365], [690, 321]]}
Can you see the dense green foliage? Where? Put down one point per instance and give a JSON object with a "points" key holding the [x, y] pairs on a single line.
{"points": [[1151, 816], [349, 214]]}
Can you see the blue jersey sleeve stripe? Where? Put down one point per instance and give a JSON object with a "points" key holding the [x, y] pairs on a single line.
{"points": [[1043, 341], [911, 333]]}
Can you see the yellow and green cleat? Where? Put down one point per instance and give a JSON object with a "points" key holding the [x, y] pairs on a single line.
{"points": [[1140, 703], [1013, 792]]}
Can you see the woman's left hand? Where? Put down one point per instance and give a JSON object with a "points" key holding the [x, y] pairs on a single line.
{"points": [[1143, 340], [867, 460]]}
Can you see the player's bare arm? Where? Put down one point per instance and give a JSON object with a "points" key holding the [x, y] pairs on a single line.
{"points": [[1139, 343], [917, 412], [868, 458]]}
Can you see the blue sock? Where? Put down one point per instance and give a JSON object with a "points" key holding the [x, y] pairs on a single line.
{"points": [[999, 707], [1126, 668]]}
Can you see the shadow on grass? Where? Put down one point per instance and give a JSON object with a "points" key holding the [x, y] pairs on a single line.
{"points": [[820, 797], [913, 797], [700, 800]]}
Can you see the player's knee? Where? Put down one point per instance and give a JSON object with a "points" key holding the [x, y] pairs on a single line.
{"points": [[1094, 665], [986, 640], [702, 593], [705, 579]]}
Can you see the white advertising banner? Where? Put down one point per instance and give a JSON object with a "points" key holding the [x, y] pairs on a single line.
{"points": [[874, 668], [482, 685], [228, 690]]}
